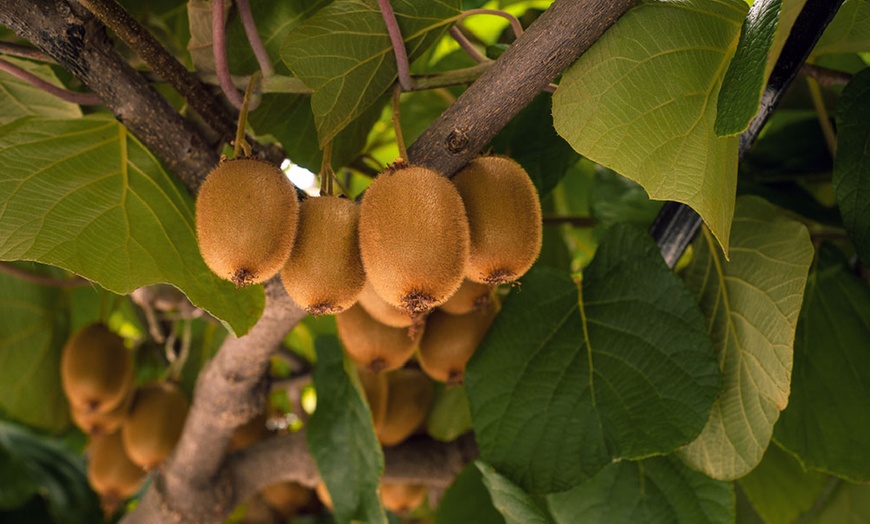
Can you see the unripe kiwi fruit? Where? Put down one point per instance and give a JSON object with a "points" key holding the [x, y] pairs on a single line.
{"points": [[246, 214], [383, 311], [372, 345], [287, 498], [111, 473], [504, 215], [471, 296], [450, 341], [413, 237], [375, 388], [324, 274], [409, 396], [400, 497], [154, 424], [96, 370]]}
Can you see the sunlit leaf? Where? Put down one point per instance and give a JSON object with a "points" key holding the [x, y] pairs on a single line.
{"points": [[848, 32]]}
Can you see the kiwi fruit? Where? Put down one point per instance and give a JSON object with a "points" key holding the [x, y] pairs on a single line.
{"points": [[504, 215], [400, 498], [323, 495], [324, 273], [414, 237], [96, 370], [287, 498], [373, 345], [110, 472], [375, 388], [409, 396], [154, 424], [450, 341], [246, 214], [249, 433], [383, 311], [471, 296], [95, 423]]}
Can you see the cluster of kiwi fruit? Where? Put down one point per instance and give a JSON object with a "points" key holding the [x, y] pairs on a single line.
{"points": [[132, 429]]}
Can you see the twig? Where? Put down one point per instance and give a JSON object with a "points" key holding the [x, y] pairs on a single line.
{"points": [[398, 44], [514, 21], [85, 99], [822, 114], [42, 280], [451, 78], [824, 76], [219, 48], [397, 125], [467, 46], [21, 51], [240, 145], [254, 38]]}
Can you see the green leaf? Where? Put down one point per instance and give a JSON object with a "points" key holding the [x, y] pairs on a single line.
{"points": [[852, 165], [343, 53], [34, 325], [848, 32], [779, 488], [467, 500], [16, 484], [616, 199], [563, 385], [341, 438], [513, 503], [655, 490], [827, 422], [751, 304], [450, 415], [764, 33], [86, 196], [18, 98], [850, 504], [642, 101]]}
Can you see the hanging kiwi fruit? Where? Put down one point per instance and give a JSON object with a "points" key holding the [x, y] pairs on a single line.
{"points": [[504, 216], [111, 473], [96, 370], [324, 274], [413, 237], [375, 346], [471, 296], [383, 311], [154, 424], [410, 394], [451, 340], [97, 423], [400, 497], [375, 388], [287, 498]]}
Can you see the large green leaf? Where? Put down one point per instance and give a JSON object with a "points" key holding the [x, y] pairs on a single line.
{"points": [[515, 505], [642, 101], [18, 98], [751, 304], [467, 500], [779, 488], [86, 196], [343, 53], [852, 165], [764, 33], [849, 504], [848, 32], [34, 325], [827, 423], [564, 384], [655, 490], [341, 438]]}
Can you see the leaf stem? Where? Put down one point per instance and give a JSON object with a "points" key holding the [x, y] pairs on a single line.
{"points": [[822, 113], [398, 44], [326, 173], [514, 21], [240, 142], [466, 45], [219, 49], [43, 280], [85, 99], [254, 38], [22, 51], [824, 76], [397, 124]]}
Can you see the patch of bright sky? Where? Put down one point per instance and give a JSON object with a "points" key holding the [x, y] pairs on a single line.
{"points": [[301, 177]]}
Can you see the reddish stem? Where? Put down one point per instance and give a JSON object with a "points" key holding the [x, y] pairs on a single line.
{"points": [[398, 45], [219, 47], [466, 45], [42, 280], [85, 99], [254, 37], [515, 23]]}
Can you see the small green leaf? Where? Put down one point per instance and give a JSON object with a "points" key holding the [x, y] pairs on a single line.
{"points": [[563, 385], [343, 53], [513, 503], [34, 325], [341, 438], [827, 422], [467, 500], [848, 32], [751, 304], [86, 196], [779, 488], [652, 491], [19, 98], [450, 415], [642, 101], [764, 33], [852, 165]]}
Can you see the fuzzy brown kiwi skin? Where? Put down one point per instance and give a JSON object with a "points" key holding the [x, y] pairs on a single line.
{"points": [[400, 498], [97, 423], [324, 274], [383, 311], [471, 296], [451, 340], [154, 424], [287, 498], [246, 216], [375, 388], [95, 370], [413, 237], [410, 394], [375, 346], [504, 215], [110, 472]]}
